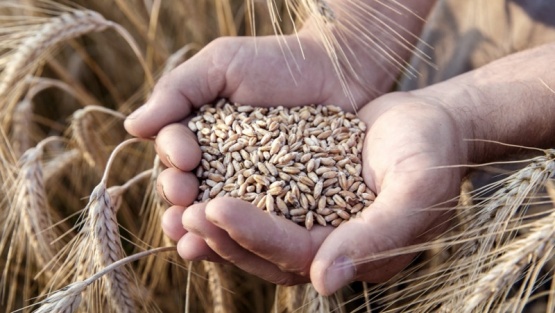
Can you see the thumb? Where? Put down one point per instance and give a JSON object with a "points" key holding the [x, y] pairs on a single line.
{"points": [[195, 82], [350, 252]]}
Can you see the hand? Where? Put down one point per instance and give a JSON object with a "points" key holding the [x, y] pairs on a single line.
{"points": [[410, 146], [231, 68], [247, 70]]}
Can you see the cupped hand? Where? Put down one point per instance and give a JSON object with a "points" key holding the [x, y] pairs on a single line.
{"points": [[409, 152]]}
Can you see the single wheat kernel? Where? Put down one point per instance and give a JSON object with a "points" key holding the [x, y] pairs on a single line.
{"points": [[331, 217]]}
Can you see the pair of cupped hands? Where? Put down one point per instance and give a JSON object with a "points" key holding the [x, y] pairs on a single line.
{"points": [[411, 143]]}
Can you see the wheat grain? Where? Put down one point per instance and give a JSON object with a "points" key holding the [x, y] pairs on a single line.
{"points": [[288, 157]]}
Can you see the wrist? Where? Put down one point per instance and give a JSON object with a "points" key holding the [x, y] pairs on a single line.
{"points": [[502, 107], [458, 101]]}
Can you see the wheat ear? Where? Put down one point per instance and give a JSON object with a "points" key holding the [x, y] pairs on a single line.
{"points": [[119, 285], [535, 248], [106, 249], [28, 224], [487, 230], [67, 299], [85, 134], [98, 245], [219, 287], [32, 50]]}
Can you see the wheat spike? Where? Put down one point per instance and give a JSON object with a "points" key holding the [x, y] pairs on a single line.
{"points": [[67, 299], [32, 50], [84, 128], [508, 267], [485, 230], [28, 227], [219, 288], [97, 246], [489, 225], [106, 247]]}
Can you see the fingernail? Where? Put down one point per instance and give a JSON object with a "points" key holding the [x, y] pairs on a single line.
{"points": [[341, 272], [164, 194], [136, 113]]}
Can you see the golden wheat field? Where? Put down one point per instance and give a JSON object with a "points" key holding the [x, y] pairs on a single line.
{"points": [[79, 212]]}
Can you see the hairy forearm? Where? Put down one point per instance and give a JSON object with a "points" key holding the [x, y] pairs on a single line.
{"points": [[374, 39], [510, 100]]}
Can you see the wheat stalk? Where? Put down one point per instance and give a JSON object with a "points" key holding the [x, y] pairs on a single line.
{"points": [[288, 298], [304, 298]]}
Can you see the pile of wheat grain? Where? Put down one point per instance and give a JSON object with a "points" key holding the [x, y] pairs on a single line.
{"points": [[301, 163]]}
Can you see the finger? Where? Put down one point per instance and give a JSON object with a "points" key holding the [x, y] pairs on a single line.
{"points": [[177, 187], [195, 82], [192, 247], [194, 220], [280, 241], [396, 219], [177, 147], [171, 222]]}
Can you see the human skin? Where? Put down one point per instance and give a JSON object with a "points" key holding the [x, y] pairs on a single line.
{"points": [[412, 154]]}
